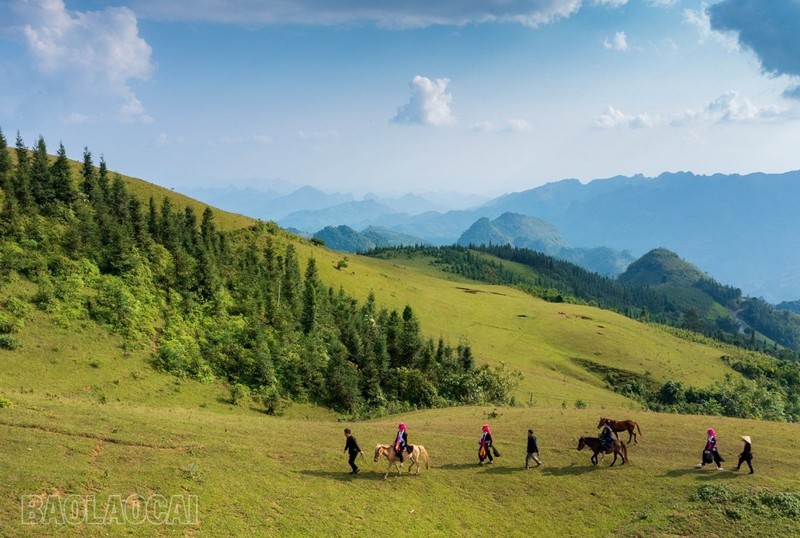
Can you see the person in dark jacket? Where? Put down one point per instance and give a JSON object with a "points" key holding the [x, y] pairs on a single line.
{"points": [[710, 452], [533, 450], [352, 447], [747, 454], [485, 445], [606, 438]]}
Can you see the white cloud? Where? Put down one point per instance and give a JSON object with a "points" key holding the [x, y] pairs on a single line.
{"points": [[93, 50], [614, 118], [77, 118], [518, 125], [429, 103], [610, 3], [730, 107], [482, 126], [331, 134], [405, 14], [702, 22], [620, 42]]}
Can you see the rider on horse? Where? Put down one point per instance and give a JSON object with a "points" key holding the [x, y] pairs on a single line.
{"points": [[401, 442], [606, 439]]}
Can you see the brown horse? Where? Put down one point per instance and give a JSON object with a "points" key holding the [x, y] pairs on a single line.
{"points": [[621, 426], [619, 448], [389, 453]]}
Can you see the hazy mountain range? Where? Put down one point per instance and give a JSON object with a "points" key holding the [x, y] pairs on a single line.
{"points": [[740, 229]]}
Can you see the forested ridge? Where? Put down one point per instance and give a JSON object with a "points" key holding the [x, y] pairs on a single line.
{"points": [[213, 304], [704, 306]]}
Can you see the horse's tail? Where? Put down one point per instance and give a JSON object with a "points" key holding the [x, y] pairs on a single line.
{"points": [[424, 454], [638, 428]]}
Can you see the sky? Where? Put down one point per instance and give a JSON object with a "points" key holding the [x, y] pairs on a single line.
{"points": [[392, 96]]}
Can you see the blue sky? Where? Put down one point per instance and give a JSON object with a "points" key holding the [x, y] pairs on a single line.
{"points": [[393, 96]]}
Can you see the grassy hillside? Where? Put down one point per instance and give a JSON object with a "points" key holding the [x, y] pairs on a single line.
{"points": [[84, 413], [90, 419]]}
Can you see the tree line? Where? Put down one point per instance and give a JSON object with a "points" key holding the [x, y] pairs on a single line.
{"points": [[231, 305]]}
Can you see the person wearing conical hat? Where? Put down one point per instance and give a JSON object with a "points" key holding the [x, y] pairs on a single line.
{"points": [[747, 453]]}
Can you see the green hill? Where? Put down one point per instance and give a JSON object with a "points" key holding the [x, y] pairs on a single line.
{"points": [[142, 353], [662, 267]]}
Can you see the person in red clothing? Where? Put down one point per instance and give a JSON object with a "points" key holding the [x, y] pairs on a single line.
{"points": [[401, 442], [485, 445], [710, 452]]}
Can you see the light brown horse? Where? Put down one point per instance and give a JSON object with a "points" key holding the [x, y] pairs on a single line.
{"points": [[621, 426], [618, 448], [389, 453]]}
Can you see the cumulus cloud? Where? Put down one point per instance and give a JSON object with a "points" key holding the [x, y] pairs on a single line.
{"points": [[93, 49], [613, 118], [730, 107], [769, 29], [405, 14], [701, 20], [429, 103], [620, 42]]}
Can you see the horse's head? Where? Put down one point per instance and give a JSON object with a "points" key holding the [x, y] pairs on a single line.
{"points": [[603, 420], [379, 451], [581, 443]]}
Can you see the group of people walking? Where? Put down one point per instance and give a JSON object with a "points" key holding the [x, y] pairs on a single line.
{"points": [[487, 450], [711, 452]]}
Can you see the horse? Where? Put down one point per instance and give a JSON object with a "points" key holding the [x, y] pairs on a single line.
{"points": [[389, 453], [619, 448], [621, 426]]}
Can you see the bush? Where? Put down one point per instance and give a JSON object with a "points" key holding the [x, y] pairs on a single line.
{"points": [[271, 398], [239, 394], [5, 403], [8, 342], [18, 307]]}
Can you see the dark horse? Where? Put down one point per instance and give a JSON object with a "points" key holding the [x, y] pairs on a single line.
{"points": [[621, 426], [619, 448]]}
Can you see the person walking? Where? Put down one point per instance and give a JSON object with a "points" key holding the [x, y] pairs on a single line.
{"points": [[533, 450], [485, 445], [747, 454], [351, 446], [711, 451]]}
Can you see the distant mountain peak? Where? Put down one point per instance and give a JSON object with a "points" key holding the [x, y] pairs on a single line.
{"points": [[661, 266]]}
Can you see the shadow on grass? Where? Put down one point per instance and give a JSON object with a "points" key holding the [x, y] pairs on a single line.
{"points": [[701, 474], [572, 470], [345, 476], [459, 466]]}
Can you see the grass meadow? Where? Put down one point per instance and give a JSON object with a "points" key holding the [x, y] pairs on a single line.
{"points": [[85, 419]]}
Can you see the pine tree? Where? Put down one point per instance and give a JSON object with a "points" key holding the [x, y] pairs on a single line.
{"points": [[22, 186], [41, 184], [63, 187], [5, 165]]}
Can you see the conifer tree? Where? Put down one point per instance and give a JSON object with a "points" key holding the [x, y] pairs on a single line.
{"points": [[5, 165], [41, 184], [63, 187], [22, 186]]}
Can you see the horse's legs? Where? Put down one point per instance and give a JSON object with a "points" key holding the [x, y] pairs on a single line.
{"points": [[594, 458]]}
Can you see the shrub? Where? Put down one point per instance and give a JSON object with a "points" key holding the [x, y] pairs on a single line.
{"points": [[239, 394], [5, 403], [8, 342]]}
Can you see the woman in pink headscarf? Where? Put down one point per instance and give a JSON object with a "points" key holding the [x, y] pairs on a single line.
{"points": [[485, 445], [401, 442], [710, 452]]}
